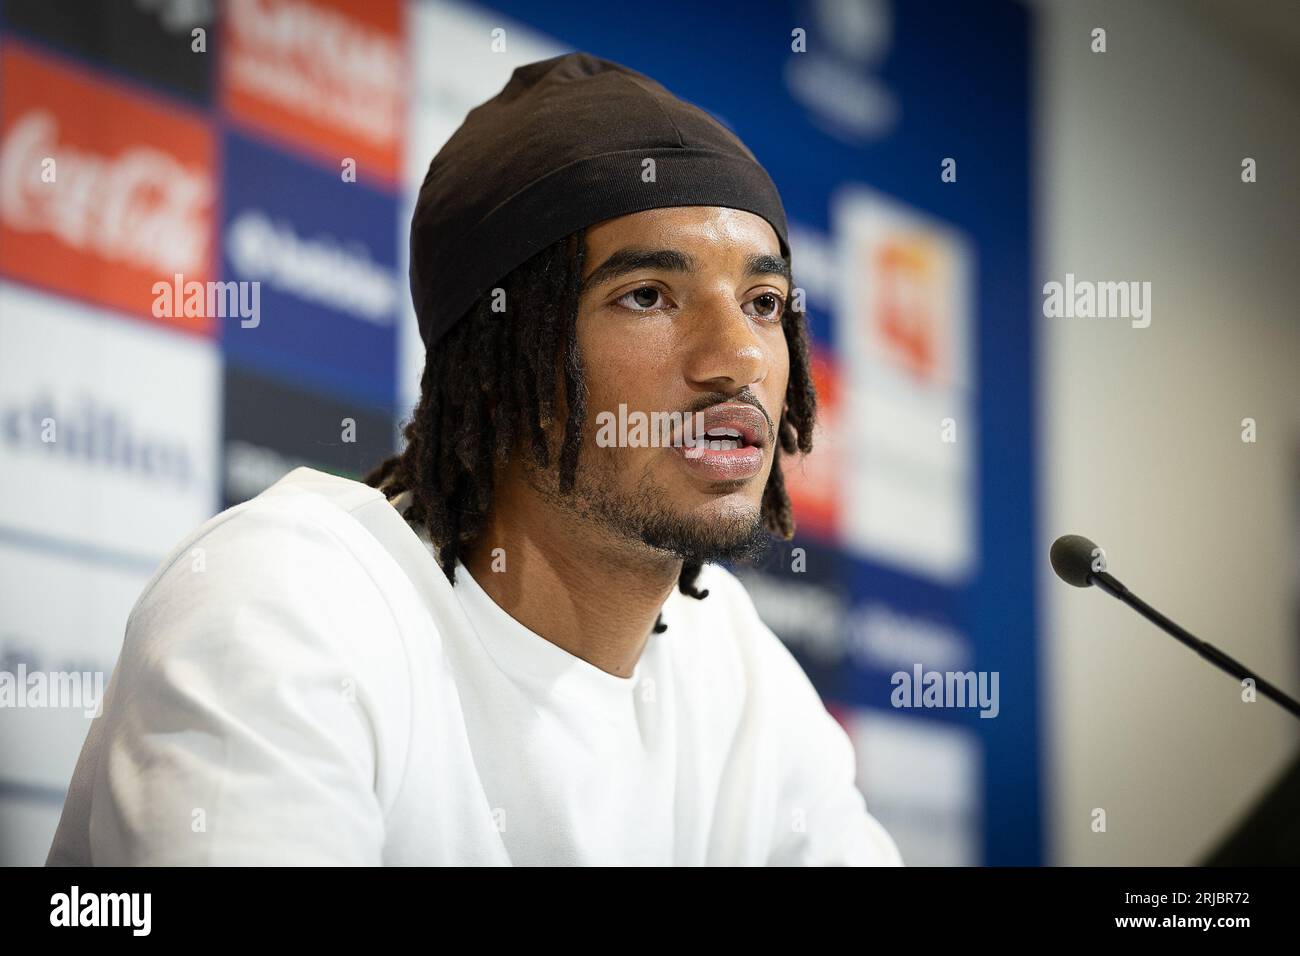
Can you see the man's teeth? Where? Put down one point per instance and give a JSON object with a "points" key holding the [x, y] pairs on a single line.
{"points": [[718, 439]]}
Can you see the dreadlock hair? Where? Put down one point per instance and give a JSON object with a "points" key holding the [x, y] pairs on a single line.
{"points": [[457, 430]]}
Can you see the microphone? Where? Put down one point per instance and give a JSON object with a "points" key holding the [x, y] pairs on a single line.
{"points": [[1079, 562]]}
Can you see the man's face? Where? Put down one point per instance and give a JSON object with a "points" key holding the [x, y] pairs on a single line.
{"points": [[681, 312]]}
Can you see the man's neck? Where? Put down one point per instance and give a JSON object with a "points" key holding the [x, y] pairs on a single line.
{"points": [[590, 597]]}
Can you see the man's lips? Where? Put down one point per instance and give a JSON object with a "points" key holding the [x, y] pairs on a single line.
{"points": [[730, 423], [746, 419]]}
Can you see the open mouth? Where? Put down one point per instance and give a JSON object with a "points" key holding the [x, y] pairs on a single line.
{"points": [[717, 439], [730, 445]]}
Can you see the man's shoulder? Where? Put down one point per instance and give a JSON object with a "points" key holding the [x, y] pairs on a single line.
{"points": [[286, 585], [298, 529]]}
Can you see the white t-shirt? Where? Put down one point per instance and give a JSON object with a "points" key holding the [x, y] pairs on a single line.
{"points": [[300, 684]]}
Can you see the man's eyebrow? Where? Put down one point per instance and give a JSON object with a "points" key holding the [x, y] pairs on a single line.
{"points": [[766, 265], [673, 260]]}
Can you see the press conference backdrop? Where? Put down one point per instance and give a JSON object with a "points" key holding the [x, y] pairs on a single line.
{"points": [[232, 164], [288, 151]]}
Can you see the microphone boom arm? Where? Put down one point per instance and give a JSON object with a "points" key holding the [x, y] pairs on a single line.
{"points": [[1115, 589]]}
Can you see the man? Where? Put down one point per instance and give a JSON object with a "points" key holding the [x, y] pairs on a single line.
{"points": [[513, 644]]}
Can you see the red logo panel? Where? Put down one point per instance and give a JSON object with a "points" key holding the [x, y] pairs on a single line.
{"points": [[329, 75], [102, 194]]}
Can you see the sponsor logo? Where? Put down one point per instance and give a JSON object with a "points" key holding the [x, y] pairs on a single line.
{"points": [[320, 269], [91, 431], [108, 428], [330, 74], [325, 254], [904, 326], [100, 210]]}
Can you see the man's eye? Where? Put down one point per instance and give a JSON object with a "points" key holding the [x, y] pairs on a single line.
{"points": [[647, 296], [770, 305]]}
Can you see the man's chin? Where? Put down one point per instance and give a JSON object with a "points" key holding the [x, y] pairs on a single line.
{"points": [[733, 538], [726, 527]]}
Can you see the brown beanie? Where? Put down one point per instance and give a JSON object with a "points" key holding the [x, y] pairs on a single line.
{"points": [[563, 146]]}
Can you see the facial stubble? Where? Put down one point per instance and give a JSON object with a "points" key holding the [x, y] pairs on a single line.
{"points": [[647, 517]]}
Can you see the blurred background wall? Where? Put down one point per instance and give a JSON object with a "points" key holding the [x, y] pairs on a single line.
{"points": [[1140, 156], [939, 162]]}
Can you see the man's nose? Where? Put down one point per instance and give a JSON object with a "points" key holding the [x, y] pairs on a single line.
{"points": [[726, 352]]}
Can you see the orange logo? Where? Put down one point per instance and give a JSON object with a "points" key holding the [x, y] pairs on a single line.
{"points": [[905, 308]]}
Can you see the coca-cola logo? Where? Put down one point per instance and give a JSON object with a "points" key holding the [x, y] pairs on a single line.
{"points": [[141, 206]]}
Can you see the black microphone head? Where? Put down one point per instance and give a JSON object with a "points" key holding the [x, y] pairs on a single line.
{"points": [[1072, 559]]}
